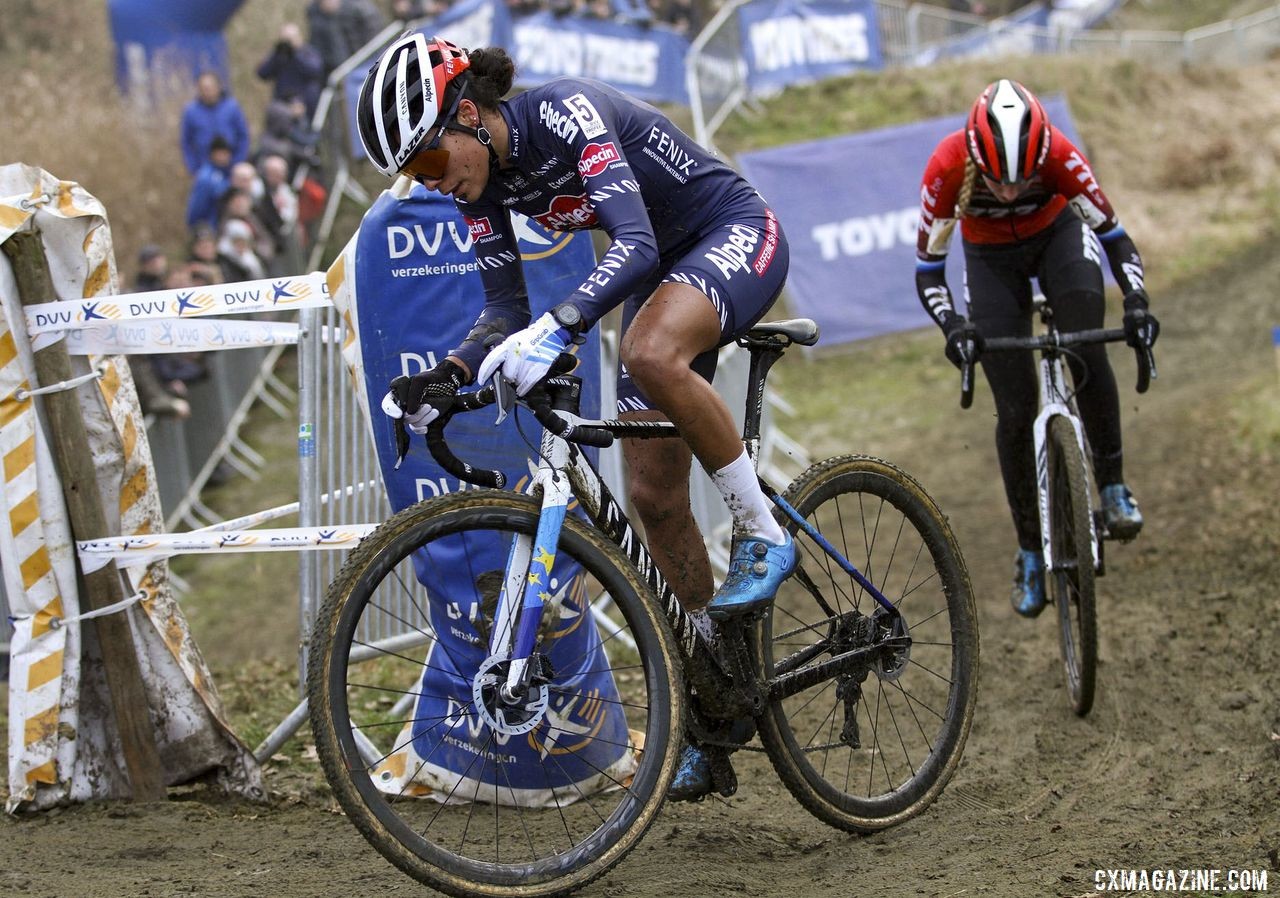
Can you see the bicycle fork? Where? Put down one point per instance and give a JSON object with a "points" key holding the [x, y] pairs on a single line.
{"points": [[1052, 405]]}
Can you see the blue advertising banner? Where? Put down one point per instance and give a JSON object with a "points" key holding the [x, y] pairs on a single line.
{"points": [[1022, 33], [850, 206], [787, 42], [644, 61], [153, 40], [418, 291]]}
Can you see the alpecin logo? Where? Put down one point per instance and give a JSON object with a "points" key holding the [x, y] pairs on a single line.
{"points": [[596, 157], [568, 213], [478, 227]]}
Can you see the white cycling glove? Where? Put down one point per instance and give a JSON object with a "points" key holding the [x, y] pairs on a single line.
{"points": [[525, 356]]}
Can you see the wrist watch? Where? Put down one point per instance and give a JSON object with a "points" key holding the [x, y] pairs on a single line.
{"points": [[568, 316]]}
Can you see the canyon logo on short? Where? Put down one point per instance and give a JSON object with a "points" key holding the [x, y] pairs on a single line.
{"points": [[596, 157], [568, 213], [478, 227]]}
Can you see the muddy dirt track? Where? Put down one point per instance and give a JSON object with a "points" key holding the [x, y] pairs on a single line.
{"points": [[1177, 767]]}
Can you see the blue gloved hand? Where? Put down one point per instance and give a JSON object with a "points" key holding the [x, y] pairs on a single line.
{"points": [[525, 357]]}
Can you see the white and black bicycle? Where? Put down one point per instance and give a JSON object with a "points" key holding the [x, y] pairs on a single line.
{"points": [[1072, 529]]}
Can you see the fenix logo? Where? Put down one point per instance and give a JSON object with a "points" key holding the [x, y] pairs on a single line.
{"points": [[596, 157], [555, 121]]}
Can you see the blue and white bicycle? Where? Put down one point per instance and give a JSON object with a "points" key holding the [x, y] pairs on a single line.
{"points": [[527, 754]]}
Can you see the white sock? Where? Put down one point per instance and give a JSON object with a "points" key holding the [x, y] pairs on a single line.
{"points": [[750, 509]]}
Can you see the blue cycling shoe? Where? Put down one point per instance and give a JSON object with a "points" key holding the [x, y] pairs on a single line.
{"points": [[693, 776], [756, 570], [1028, 583], [1120, 512]]}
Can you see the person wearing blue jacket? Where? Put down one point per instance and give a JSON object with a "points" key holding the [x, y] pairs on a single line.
{"points": [[213, 113], [212, 181]]}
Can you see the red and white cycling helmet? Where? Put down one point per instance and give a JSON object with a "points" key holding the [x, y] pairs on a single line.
{"points": [[403, 97], [1007, 133]]}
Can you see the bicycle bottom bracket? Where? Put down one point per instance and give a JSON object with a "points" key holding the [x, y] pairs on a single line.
{"points": [[511, 718]]}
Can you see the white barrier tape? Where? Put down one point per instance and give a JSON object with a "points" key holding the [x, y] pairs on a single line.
{"points": [[26, 201], [280, 511], [99, 612], [133, 550], [148, 337], [22, 395], [265, 295]]}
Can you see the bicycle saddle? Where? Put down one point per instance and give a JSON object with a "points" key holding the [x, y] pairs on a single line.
{"points": [[798, 330]]}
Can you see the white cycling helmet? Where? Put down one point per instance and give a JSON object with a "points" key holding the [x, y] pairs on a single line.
{"points": [[403, 97]]}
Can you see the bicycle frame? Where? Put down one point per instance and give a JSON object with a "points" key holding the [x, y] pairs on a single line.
{"points": [[1056, 401], [563, 473]]}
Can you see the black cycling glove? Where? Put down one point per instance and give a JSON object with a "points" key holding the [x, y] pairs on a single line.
{"points": [[1140, 327], [964, 343], [421, 398]]}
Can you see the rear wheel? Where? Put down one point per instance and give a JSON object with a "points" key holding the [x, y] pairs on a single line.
{"points": [[1070, 581], [873, 744], [457, 785]]}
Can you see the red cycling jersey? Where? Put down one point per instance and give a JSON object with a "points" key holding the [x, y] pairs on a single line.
{"points": [[1065, 178]]}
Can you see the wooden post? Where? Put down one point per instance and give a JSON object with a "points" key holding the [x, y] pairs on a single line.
{"points": [[84, 505]]}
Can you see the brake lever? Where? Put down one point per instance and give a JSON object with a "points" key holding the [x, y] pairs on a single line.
{"points": [[402, 441], [504, 393]]}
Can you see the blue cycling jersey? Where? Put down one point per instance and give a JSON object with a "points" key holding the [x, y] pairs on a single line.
{"points": [[584, 155]]}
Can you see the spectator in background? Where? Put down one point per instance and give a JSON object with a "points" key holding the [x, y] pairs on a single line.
{"points": [[238, 206], [527, 7], [153, 268], [409, 10], [327, 34], [213, 180], [153, 274], [681, 15], [288, 133], [295, 67], [278, 211], [212, 114], [244, 177], [236, 253], [364, 20], [176, 370], [338, 28], [202, 255]]}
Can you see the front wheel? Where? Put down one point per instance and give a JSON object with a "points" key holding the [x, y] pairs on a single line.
{"points": [[1070, 581], [458, 784], [873, 743]]}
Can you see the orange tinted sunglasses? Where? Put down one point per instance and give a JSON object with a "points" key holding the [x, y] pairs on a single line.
{"points": [[429, 162]]}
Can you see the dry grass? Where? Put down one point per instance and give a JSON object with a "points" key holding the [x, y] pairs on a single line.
{"points": [[62, 112]]}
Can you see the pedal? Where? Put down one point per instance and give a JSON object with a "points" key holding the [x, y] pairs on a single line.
{"points": [[723, 779]]}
